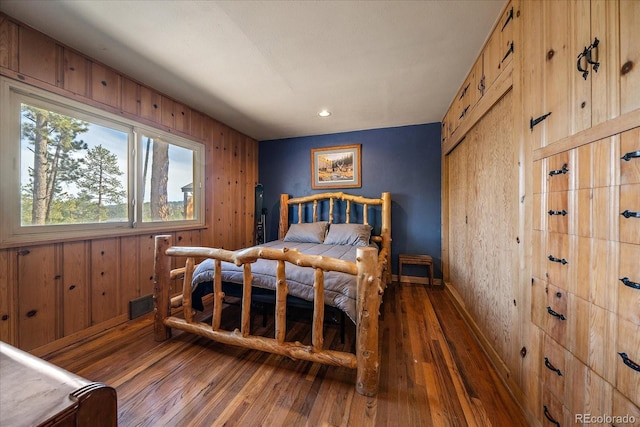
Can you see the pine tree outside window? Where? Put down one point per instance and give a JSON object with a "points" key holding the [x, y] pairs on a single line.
{"points": [[69, 170]]}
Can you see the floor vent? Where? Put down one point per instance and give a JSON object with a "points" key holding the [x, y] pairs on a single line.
{"points": [[140, 306]]}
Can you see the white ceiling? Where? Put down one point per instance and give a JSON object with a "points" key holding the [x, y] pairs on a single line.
{"points": [[266, 68]]}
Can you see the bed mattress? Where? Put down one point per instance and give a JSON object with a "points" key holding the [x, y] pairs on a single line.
{"points": [[340, 289]]}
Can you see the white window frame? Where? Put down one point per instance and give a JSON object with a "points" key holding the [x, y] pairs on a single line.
{"points": [[12, 233]]}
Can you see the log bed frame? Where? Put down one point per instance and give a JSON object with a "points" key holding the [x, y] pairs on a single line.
{"points": [[372, 269]]}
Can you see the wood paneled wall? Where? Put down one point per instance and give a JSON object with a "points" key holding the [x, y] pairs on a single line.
{"points": [[54, 293], [534, 185]]}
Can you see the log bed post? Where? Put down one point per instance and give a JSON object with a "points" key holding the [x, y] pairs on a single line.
{"points": [[368, 305], [283, 226], [317, 333], [161, 278], [186, 289], [246, 300], [281, 302], [218, 295], [385, 232]]}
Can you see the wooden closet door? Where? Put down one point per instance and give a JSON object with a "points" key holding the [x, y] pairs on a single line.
{"points": [[559, 259], [630, 213], [628, 292], [629, 67], [458, 215], [554, 369], [556, 324], [630, 161], [499, 50], [628, 349], [567, 94]]}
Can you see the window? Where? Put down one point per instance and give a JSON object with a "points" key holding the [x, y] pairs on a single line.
{"points": [[69, 170], [168, 180]]}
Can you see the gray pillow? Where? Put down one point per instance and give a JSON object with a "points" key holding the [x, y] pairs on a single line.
{"points": [[348, 234], [309, 232]]}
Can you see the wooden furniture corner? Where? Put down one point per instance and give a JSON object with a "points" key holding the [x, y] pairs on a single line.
{"points": [[34, 392], [414, 259]]}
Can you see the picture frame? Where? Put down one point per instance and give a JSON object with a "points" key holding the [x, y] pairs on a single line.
{"points": [[336, 167]]}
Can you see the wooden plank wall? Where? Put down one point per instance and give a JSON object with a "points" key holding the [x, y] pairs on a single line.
{"points": [[53, 293], [534, 184]]}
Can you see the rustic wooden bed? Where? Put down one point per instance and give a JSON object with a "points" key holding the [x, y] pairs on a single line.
{"points": [[371, 270]]}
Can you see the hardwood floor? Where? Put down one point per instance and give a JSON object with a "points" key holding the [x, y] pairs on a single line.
{"points": [[433, 373]]}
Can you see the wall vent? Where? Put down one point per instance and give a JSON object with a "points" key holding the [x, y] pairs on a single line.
{"points": [[140, 306]]}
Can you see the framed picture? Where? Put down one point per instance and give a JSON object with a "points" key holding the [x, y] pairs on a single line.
{"points": [[335, 167]]}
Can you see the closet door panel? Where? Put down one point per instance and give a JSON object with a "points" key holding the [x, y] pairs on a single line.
{"points": [[605, 155], [629, 213], [539, 302], [539, 212], [629, 56], [629, 283], [557, 69], [577, 389], [605, 83], [557, 314], [579, 105], [622, 405], [603, 325], [558, 212], [581, 214], [552, 408], [599, 396], [605, 213], [540, 254], [583, 165], [578, 326], [628, 349], [553, 369], [630, 157], [558, 259], [604, 276], [580, 271], [560, 173]]}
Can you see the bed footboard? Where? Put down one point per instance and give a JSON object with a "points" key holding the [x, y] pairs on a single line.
{"points": [[370, 285]]}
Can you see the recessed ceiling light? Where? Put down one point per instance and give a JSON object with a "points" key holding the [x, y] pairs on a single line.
{"points": [[324, 113]]}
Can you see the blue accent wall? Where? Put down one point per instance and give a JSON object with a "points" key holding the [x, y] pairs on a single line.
{"points": [[405, 161]]}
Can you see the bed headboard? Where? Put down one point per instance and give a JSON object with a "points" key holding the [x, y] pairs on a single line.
{"points": [[301, 204]]}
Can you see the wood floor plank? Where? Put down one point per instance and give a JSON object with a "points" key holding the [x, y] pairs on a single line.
{"points": [[433, 373]]}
